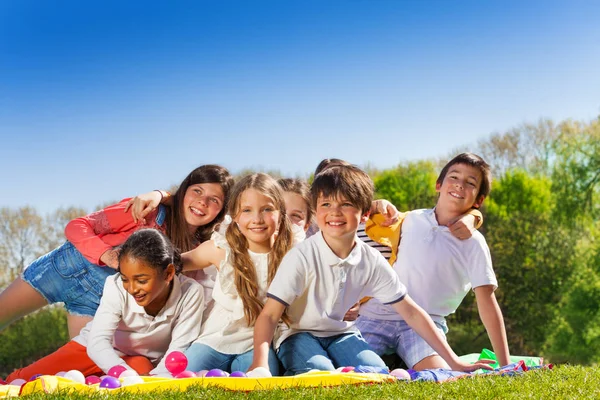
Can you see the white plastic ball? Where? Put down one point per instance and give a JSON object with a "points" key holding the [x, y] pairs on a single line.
{"points": [[76, 376]]}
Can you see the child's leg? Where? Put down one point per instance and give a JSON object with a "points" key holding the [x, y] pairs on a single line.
{"points": [[140, 364], [381, 335], [302, 352], [416, 352], [243, 362], [17, 300], [71, 356], [201, 356], [351, 350]]}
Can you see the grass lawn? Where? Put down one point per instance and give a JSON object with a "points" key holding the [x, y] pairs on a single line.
{"points": [[561, 382]]}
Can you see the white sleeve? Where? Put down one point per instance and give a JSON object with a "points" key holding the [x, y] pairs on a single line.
{"points": [[290, 280], [479, 265], [385, 284], [100, 339], [186, 327]]}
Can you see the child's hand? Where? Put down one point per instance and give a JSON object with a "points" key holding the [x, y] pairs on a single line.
{"points": [[466, 367], [387, 209], [142, 205], [352, 313], [110, 258], [463, 227]]}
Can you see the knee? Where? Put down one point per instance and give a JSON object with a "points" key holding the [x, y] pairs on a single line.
{"points": [[140, 364]]}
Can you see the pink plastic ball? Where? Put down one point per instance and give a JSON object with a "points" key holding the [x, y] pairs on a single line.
{"points": [[347, 369], [216, 373], [238, 374], [61, 373], [400, 373], [185, 374], [110, 382], [202, 373], [176, 362], [116, 371], [18, 382], [92, 380]]}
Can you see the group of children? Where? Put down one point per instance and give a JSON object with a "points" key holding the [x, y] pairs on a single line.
{"points": [[274, 300]]}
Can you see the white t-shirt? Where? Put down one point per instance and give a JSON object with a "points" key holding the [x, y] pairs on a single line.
{"points": [[122, 327], [437, 268], [318, 287], [225, 328]]}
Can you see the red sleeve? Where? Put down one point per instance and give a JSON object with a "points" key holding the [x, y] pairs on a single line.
{"points": [[87, 233]]}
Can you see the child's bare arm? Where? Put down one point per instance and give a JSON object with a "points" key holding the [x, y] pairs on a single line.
{"points": [[143, 204], [264, 328], [464, 226], [492, 319], [203, 256], [421, 322]]}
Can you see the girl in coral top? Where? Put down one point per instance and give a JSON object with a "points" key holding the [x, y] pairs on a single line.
{"points": [[75, 272]]}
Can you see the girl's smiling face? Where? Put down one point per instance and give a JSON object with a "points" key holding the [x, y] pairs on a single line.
{"points": [[296, 209], [150, 287]]}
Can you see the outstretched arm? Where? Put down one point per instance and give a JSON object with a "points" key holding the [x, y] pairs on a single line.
{"points": [[203, 256], [491, 316], [421, 322], [264, 328]]}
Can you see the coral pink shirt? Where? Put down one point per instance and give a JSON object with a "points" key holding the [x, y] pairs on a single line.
{"points": [[103, 230]]}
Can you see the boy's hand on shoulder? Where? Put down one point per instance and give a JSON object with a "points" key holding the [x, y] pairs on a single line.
{"points": [[463, 227], [387, 209]]}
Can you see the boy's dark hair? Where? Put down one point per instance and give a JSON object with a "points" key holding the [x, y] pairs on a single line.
{"points": [[329, 162], [475, 161], [154, 248], [177, 228], [300, 187], [347, 180]]}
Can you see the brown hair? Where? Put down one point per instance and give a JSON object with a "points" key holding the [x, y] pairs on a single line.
{"points": [[475, 161], [301, 188], [347, 180], [177, 228], [245, 271], [329, 162]]}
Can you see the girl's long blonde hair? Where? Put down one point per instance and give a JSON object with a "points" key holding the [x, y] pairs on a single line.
{"points": [[246, 280]]}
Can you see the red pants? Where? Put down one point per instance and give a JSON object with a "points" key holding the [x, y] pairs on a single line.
{"points": [[74, 356]]}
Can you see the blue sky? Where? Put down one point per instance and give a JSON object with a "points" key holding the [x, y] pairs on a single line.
{"points": [[100, 100]]}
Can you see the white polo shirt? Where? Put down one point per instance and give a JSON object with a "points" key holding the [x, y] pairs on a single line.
{"points": [[437, 268], [122, 327], [318, 287]]}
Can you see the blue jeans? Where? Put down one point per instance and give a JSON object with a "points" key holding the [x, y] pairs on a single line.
{"points": [[201, 356], [65, 275], [303, 351]]}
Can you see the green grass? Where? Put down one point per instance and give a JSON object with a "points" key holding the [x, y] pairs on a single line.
{"points": [[561, 382]]}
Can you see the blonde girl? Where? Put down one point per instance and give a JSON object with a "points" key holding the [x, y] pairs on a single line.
{"points": [[247, 252]]}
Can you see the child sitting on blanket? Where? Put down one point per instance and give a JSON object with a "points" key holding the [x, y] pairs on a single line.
{"points": [[147, 310], [322, 277], [438, 270]]}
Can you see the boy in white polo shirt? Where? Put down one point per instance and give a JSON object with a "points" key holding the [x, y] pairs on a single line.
{"points": [[322, 277], [439, 270]]}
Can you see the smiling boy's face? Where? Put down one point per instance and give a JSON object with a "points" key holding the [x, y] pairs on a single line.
{"points": [[459, 188], [337, 218]]}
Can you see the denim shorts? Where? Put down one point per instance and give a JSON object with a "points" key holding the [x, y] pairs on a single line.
{"points": [[65, 276], [387, 337]]}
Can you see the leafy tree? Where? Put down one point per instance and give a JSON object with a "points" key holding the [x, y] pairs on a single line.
{"points": [[408, 186], [19, 240], [576, 174]]}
